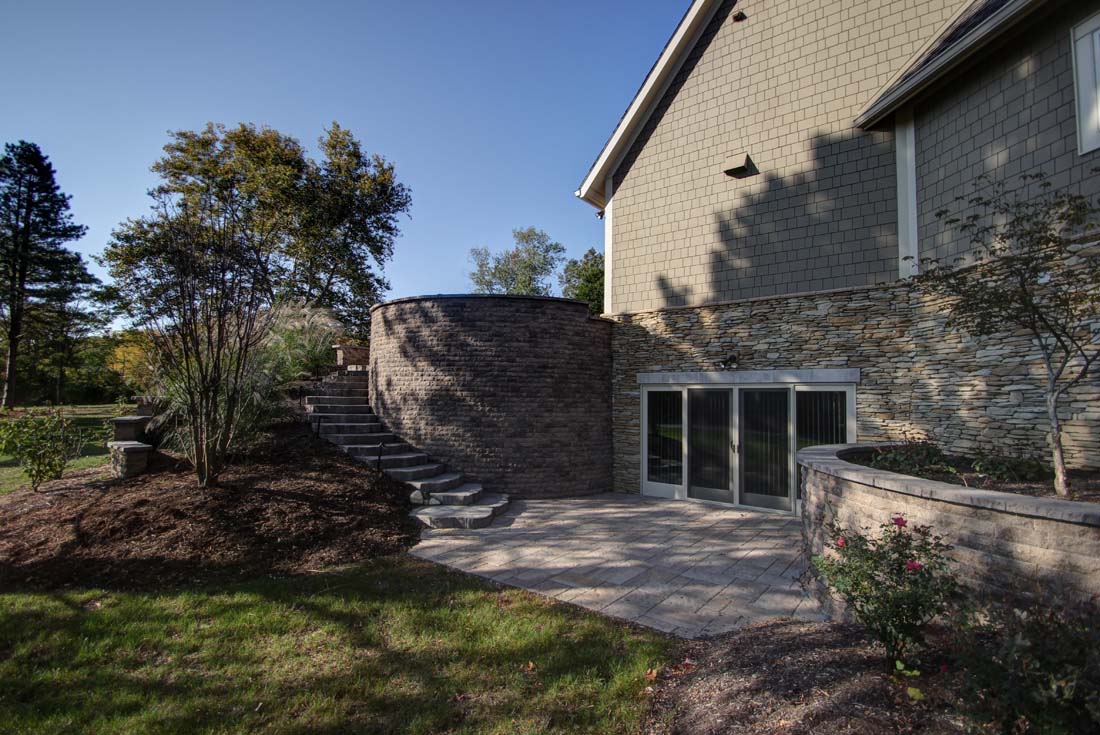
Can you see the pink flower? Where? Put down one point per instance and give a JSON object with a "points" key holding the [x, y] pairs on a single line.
{"points": [[841, 542], [899, 522], [913, 566], [943, 668]]}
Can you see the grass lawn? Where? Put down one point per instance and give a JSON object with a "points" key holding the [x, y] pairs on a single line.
{"points": [[90, 420], [393, 645]]}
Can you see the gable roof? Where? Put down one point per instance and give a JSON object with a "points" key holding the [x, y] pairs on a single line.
{"points": [[976, 24], [656, 83]]}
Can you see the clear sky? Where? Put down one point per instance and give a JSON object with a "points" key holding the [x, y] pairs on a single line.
{"points": [[492, 110]]}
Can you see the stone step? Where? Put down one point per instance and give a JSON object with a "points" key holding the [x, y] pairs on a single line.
{"points": [[354, 400], [370, 451], [397, 461], [416, 472], [377, 437], [340, 408], [437, 483], [342, 418], [478, 515], [327, 428], [466, 494], [338, 389], [350, 381]]}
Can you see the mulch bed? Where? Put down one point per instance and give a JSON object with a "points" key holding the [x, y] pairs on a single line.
{"points": [[294, 504], [787, 677]]}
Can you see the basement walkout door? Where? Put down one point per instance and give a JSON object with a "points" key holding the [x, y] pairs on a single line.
{"points": [[736, 444]]}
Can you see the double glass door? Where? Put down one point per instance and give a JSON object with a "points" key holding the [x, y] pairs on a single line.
{"points": [[737, 444]]}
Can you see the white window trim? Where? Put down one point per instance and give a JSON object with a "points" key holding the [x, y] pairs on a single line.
{"points": [[905, 148], [1085, 51], [608, 236]]}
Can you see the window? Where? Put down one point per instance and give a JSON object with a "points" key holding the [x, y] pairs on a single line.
{"points": [[1086, 76]]}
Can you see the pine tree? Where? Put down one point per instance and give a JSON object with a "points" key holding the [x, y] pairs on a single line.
{"points": [[35, 222]]}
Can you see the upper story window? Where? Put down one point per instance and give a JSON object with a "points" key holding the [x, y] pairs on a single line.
{"points": [[1086, 75]]}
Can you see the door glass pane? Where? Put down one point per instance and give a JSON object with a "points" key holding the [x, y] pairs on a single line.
{"points": [[821, 418], [709, 445], [765, 447], [664, 442]]}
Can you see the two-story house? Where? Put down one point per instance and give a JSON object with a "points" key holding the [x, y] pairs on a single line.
{"points": [[769, 189]]}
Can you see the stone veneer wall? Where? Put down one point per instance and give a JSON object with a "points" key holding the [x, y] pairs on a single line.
{"points": [[511, 391], [917, 375], [1003, 543]]}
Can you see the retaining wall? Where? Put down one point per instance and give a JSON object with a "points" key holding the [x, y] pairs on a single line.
{"points": [[513, 392], [1004, 543]]}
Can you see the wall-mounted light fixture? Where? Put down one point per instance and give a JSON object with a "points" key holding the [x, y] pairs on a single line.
{"points": [[739, 166], [730, 363], [739, 16]]}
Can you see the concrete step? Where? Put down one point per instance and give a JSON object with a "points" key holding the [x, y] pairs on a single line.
{"points": [[377, 437], [416, 473], [350, 381], [465, 494], [438, 483], [329, 399], [397, 461], [370, 451], [342, 418], [361, 408], [478, 515], [344, 391], [327, 428]]}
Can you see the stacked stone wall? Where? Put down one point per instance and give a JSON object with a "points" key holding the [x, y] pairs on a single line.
{"points": [[918, 377]]}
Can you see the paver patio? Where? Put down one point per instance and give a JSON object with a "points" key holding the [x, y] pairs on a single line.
{"points": [[682, 568]]}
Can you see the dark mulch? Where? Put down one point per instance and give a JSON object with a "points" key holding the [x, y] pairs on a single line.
{"points": [[795, 678], [294, 504]]}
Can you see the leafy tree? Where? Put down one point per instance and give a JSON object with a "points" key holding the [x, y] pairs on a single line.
{"points": [[348, 221], [35, 222], [1036, 268], [583, 280], [199, 272], [525, 270]]}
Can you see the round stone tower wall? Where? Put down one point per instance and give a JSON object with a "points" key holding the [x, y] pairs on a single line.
{"points": [[512, 391]]}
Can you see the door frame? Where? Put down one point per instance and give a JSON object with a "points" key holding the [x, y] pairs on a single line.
{"points": [[680, 492]]}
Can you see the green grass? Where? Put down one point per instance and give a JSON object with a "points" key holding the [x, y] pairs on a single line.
{"points": [[90, 420], [395, 646]]}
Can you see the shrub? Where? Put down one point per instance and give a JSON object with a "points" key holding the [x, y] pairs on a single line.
{"points": [[1011, 469], [912, 457], [299, 343], [42, 444], [894, 583], [1033, 671]]}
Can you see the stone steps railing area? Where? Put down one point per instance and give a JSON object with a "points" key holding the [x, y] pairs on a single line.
{"points": [[340, 412]]}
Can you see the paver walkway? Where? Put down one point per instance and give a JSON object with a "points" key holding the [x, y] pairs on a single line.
{"points": [[682, 568]]}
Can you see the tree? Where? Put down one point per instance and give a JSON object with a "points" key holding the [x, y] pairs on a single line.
{"points": [[351, 205], [1036, 268], [583, 280], [525, 270], [35, 222], [199, 272]]}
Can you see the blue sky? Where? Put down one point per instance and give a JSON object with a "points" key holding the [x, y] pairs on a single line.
{"points": [[492, 110]]}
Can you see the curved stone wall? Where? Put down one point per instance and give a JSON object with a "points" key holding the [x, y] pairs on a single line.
{"points": [[514, 392], [1004, 543]]}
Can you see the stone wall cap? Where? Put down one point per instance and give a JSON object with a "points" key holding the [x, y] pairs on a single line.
{"points": [[463, 296], [130, 447], [130, 420], [829, 460]]}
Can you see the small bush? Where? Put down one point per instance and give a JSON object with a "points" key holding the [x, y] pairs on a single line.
{"points": [[894, 583], [913, 458], [41, 443], [1033, 671], [1011, 469]]}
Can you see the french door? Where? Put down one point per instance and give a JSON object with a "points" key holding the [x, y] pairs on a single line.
{"points": [[737, 444]]}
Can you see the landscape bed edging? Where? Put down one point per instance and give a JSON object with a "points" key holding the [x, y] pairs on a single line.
{"points": [[1005, 544]]}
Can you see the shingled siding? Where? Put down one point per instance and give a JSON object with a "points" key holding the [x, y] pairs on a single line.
{"points": [[782, 86], [1011, 113], [513, 392], [917, 376]]}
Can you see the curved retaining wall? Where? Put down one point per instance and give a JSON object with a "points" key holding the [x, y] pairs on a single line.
{"points": [[1004, 543], [514, 392]]}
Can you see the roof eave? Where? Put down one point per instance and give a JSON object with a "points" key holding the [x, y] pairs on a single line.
{"points": [[651, 92], [893, 98]]}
